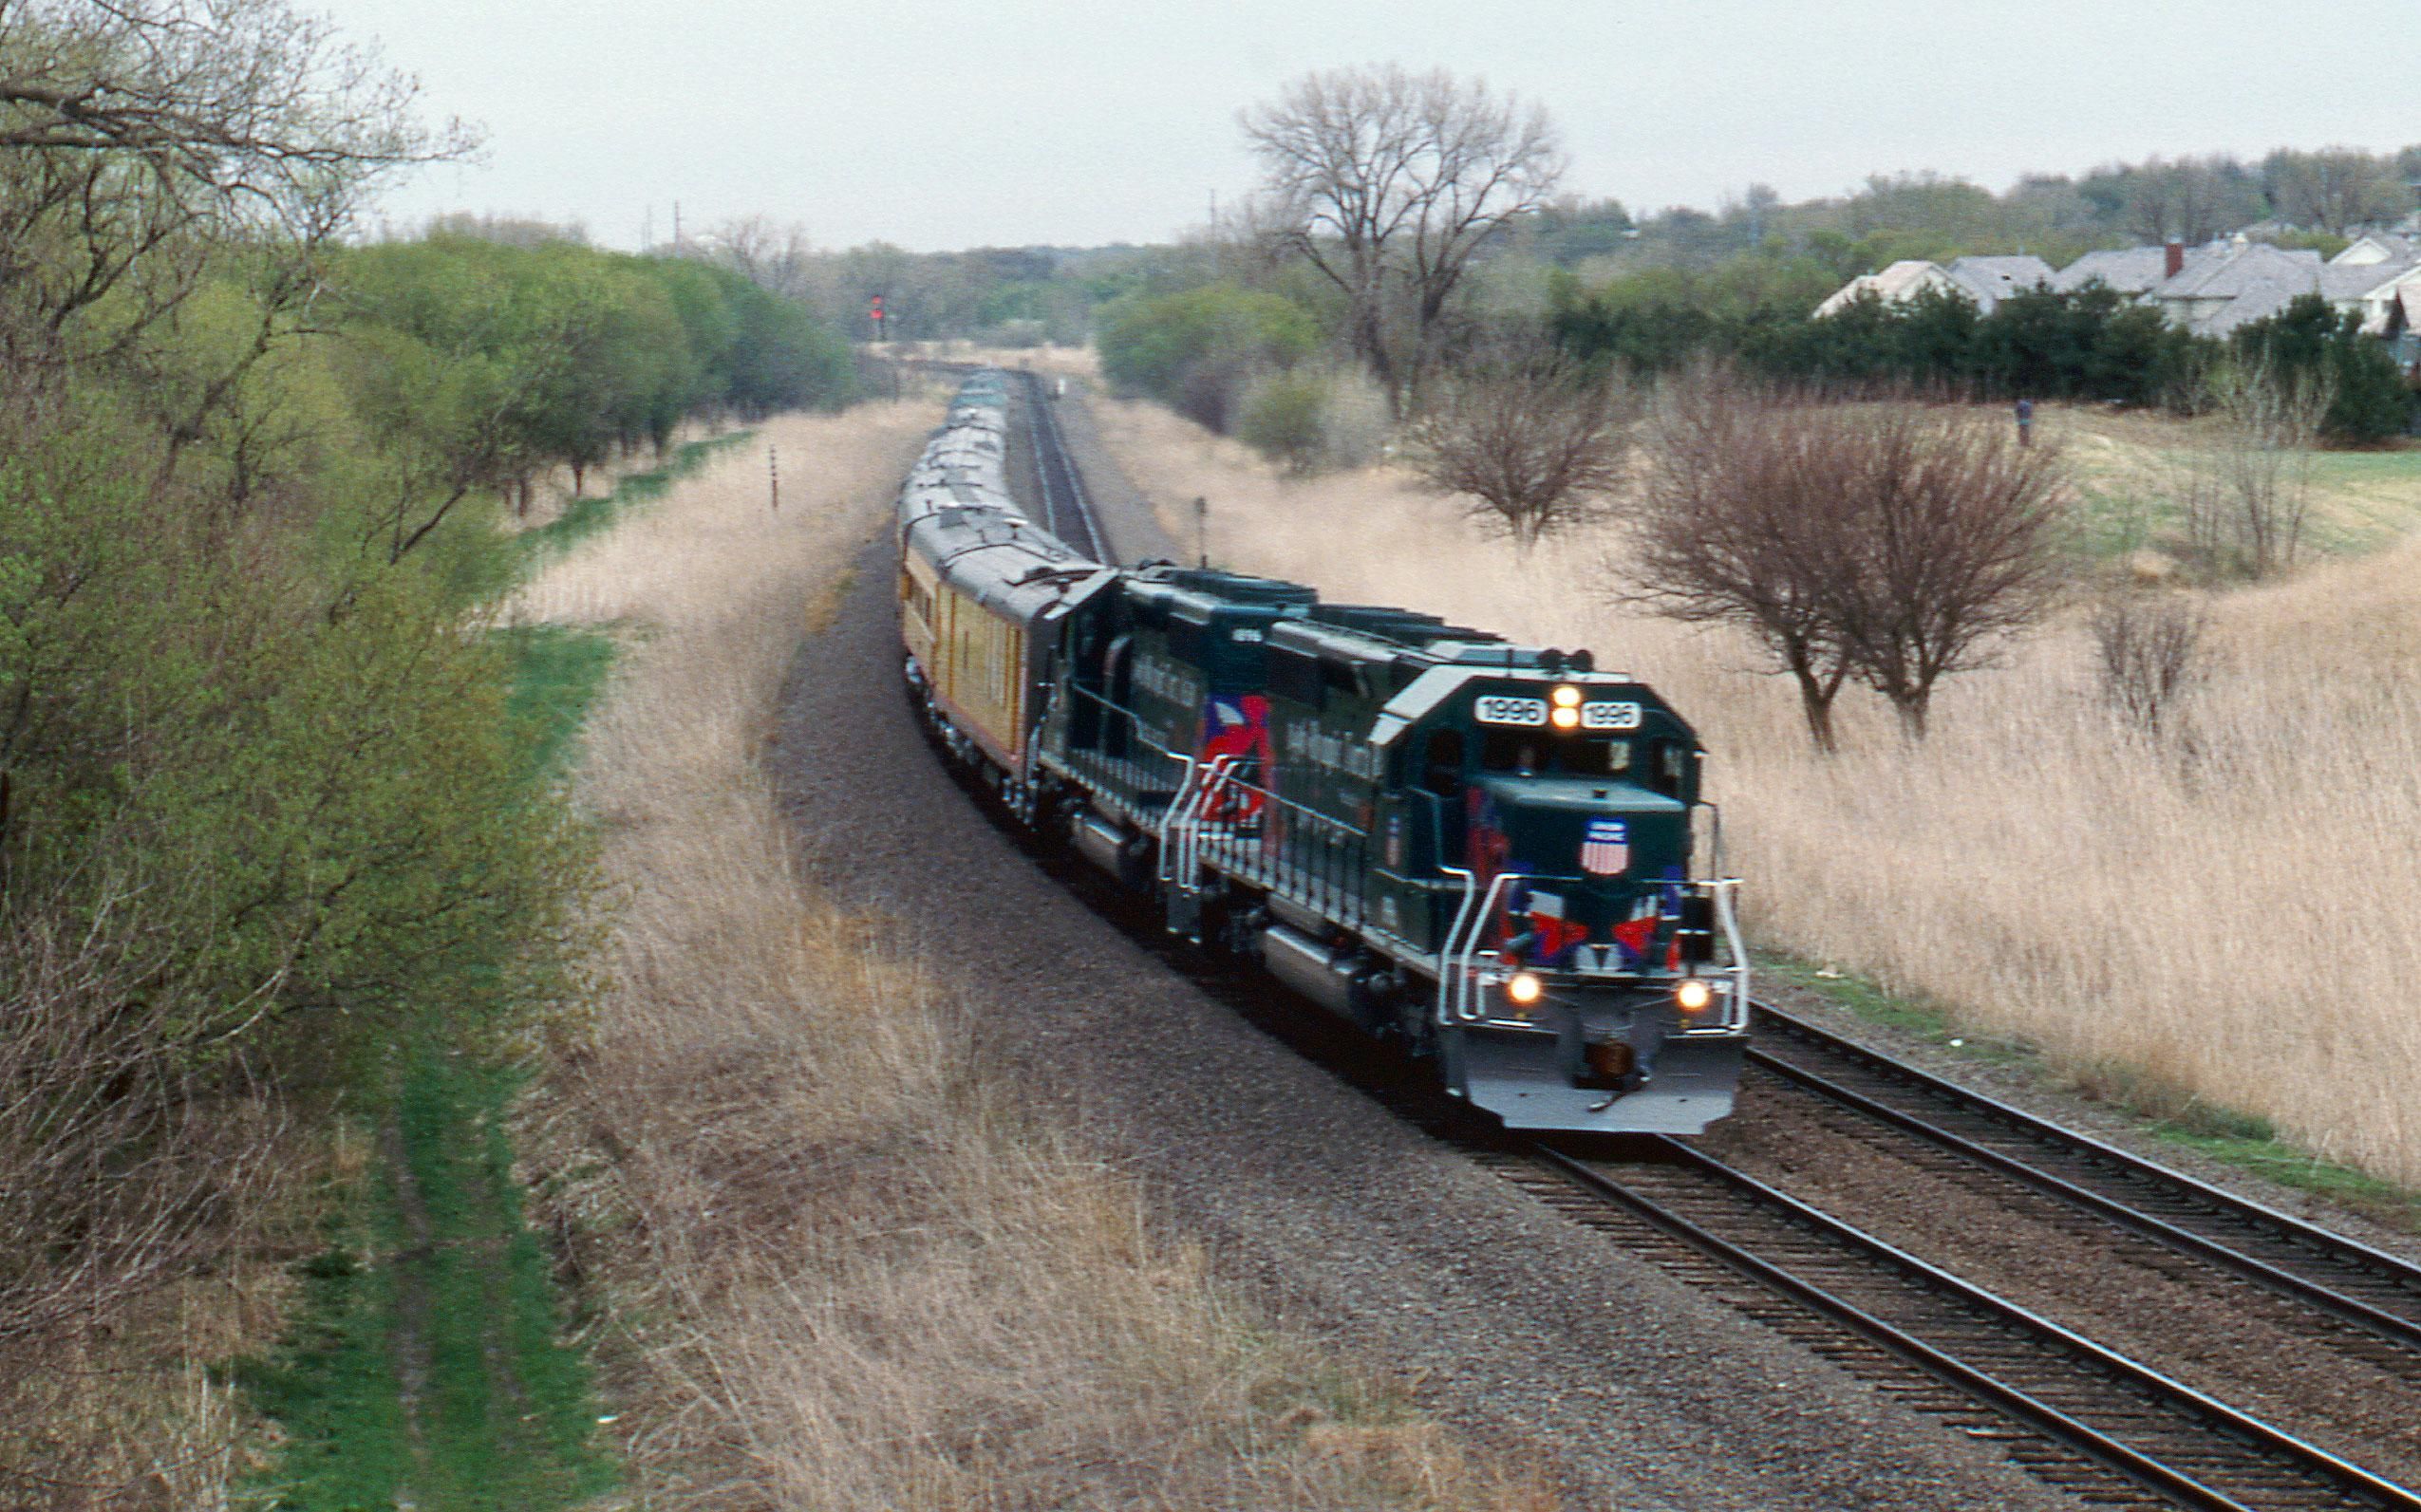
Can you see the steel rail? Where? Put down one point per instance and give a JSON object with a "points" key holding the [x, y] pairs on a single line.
{"points": [[1063, 493], [2261, 1244], [2273, 1469]]}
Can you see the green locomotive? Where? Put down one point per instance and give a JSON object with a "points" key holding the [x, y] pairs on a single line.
{"points": [[1479, 849], [1483, 852]]}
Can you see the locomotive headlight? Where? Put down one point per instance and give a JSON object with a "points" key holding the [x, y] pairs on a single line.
{"points": [[1524, 987], [1565, 697], [1564, 717], [1692, 996]]}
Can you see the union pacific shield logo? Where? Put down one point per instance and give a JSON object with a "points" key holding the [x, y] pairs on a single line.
{"points": [[1606, 850]]}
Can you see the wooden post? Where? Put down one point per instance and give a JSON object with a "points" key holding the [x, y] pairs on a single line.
{"points": [[773, 473], [1201, 530]]}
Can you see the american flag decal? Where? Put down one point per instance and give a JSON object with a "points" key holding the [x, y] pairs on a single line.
{"points": [[1606, 850]]}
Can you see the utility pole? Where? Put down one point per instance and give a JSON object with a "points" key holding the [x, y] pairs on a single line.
{"points": [[676, 227], [1201, 530]]}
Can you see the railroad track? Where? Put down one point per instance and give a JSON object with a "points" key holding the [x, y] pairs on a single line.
{"points": [[2077, 1413], [1067, 510], [2335, 1275]]}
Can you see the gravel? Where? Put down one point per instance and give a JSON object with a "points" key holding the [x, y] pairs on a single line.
{"points": [[1516, 1327]]}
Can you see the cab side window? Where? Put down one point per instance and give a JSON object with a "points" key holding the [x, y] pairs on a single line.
{"points": [[1441, 764], [1669, 771]]}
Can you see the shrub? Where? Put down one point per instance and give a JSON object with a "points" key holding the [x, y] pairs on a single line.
{"points": [[1285, 416], [1195, 351]]}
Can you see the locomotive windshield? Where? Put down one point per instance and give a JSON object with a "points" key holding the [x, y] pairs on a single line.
{"points": [[1656, 765], [1533, 751]]}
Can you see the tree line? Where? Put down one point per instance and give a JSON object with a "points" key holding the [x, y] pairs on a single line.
{"points": [[1407, 221], [2304, 197], [2084, 343], [516, 358], [266, 808]]}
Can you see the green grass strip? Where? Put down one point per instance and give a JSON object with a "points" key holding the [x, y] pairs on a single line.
{"points": [[585, 515], [558, 670], [426, 1364], [1929, 1020]]}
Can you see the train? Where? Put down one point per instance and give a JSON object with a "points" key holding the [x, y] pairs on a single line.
{"points": [[1483, 854]]}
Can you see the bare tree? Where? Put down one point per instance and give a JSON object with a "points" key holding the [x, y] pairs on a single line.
{"points": [[1537, 442], [2150, 655], [2335, 189], [131, 126], [1951, 528], [2192, 199], [114, 1167], [775, 257], [1893, 544], [2246, 490], [1388, 182], [148, 144], [1736, 526]]}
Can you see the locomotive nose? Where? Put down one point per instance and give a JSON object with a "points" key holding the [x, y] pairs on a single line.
{"points": [[1599, 866]]}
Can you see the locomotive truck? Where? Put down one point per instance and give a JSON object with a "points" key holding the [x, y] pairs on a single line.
{"points": [[1481, 851]]}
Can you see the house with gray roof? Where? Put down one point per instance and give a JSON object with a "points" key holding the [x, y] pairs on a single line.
{"points": [[2236, 283], [1983, 282], [1990, 280], [2213, 289], [1896, 284], [2210, 290], [2400, 327], [2376, 247], [2135, 271]]}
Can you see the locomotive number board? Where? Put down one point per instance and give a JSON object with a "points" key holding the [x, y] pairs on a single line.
{"points": [[1609, 716], [1497, 708]]}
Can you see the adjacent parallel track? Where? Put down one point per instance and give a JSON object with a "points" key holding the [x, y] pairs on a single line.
{"points": [[2079, 1414], [2347, 1280], [2094, 1421]]}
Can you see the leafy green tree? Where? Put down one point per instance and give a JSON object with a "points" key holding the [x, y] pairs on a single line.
{"points": [[2308, 342], [1194, 350]]}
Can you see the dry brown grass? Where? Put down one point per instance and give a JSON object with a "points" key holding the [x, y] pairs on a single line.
{"points": [[120, 1408], [2230, 916], [1075, 361], [842, 1269]]}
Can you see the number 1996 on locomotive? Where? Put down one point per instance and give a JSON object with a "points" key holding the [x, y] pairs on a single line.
{"points": [[1500, 708]]}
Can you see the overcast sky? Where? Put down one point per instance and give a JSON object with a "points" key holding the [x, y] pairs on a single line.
{"points": [[948, 124]]}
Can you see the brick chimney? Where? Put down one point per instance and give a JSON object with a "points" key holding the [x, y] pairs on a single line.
{"points": [[2173, 262]]}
